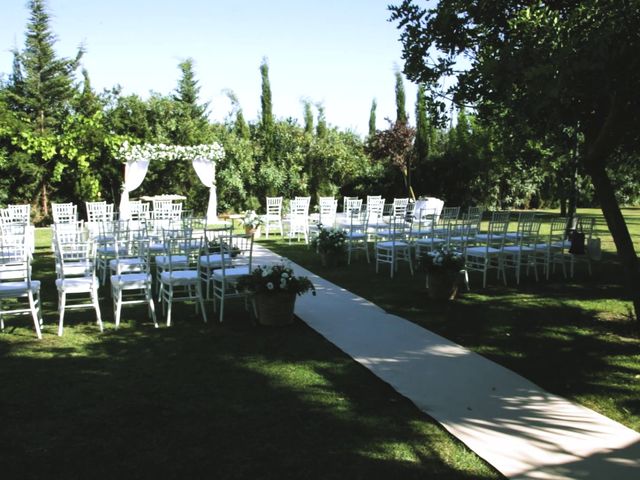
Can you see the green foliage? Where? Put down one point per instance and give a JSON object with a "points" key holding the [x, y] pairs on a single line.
{"points": [[266, 117], [401, 109], [372, 117]]}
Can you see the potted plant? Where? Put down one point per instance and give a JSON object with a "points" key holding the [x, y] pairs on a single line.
{"points": [[252, 222], [331, 244], [274, 289], [444, 268]]}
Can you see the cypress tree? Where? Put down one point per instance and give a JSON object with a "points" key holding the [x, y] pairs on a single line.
{"points": [[321, 128], [423, 133], [240, 127], [372, 118], [308, 117], [267, 120], [401, 112]]}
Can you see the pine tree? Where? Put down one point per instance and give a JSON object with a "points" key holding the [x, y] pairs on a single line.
{"points": [[48, 80], [188, 91], [47, 89], [401, 112], [192, 116], [372, 118], [423, 127], [265, 99]]}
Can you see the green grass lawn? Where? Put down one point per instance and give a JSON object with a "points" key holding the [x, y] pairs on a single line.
{"points": [[574, 337], [233, 400], [224, 401]]}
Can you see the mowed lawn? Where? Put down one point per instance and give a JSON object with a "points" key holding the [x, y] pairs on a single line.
{"points": [[575, 337], [224, 401], [233, 400]]}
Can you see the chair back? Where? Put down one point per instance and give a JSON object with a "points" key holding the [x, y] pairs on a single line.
{"points": [[15, 262], [344, 203], [64, 212], [327, 211], [400, 207], [75, 259], [20, 213], [352, 205], [274, 206]]}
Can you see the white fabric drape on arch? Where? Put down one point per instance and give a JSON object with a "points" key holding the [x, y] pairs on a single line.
{"points": [[206, 171], [134, 173]]}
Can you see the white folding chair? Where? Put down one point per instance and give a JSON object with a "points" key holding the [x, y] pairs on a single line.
{"points": [[273, 217], [216, 240], [523, 251], [357, 235], [131, 282], [487, 255], [226, 277], [181, 279], [298, 219], [16, 282], [75, 266], [392, 245]]}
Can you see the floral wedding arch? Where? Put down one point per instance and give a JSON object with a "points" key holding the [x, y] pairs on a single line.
{"points": [[138, 157]]}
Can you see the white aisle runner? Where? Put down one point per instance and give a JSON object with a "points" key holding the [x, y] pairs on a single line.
{"points": [[520, 429]]}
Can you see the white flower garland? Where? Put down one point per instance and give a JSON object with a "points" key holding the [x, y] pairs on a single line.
{"points": [[162, 152]]}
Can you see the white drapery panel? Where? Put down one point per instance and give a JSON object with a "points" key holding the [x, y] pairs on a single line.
{"points": [[206, 171], [134, 173]]}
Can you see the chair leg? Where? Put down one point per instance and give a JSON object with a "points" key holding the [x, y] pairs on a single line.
{"points": [[169, 304], [96, 306], [118, 307], [36, 320], [62, 299], [201, 301]]}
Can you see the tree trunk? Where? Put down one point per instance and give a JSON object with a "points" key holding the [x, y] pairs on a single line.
{"points": [[619, 231], [44, 198], [599, 147]]}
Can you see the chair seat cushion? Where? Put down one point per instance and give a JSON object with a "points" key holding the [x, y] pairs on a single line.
{"points": [[482, 251], [15, 289], [392, 245], [231, 272], [77, 284], [180, 277], [162, 261], [131, 281], [214, 260]]}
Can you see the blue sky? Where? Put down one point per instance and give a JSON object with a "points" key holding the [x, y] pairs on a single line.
{"points": [[341, 53]]}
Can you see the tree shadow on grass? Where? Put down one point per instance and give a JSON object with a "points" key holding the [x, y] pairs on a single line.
{"points": [[224, 400], [570, 336]]}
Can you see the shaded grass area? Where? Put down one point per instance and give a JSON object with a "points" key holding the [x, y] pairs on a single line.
{"points": [[574, 337], [202, 400]]}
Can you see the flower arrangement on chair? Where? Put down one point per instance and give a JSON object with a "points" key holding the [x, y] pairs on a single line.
{"points": [[275, 279], [251, 220], [330, 243], [443, 267], [273, 289]]}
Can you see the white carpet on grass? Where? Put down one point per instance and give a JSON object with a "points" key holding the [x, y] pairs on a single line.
{"points": [[520, 429]]}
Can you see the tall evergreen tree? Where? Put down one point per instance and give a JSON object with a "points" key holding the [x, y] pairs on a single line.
{"points": [[423, 127], [372, 118], [45, 98], [308, 117], [267, 120], [321, 128], [48, 80], [401, 112], [188, 91], [192, 125], [240, 127]]}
